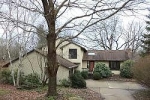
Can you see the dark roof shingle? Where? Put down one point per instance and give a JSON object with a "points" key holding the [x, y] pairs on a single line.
{"points": [[106, 55]]}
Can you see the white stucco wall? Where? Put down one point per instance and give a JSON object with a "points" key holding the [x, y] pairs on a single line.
{"points": [[84, 64], [64, 52], [33, 61], [62, 73]]}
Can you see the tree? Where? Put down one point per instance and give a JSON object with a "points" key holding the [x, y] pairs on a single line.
{"points": [[74, 15], [110, 34], [106, 34], [132, 36], [146, 40]]}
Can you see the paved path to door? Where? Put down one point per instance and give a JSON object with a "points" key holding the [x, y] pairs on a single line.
{"points": [[114, 90]]}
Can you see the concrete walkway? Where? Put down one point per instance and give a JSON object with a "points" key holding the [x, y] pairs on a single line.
{"points": [[114, 90]]}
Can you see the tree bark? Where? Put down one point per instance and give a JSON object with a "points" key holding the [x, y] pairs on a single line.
{"points": [[52, 65], [49, 14]]}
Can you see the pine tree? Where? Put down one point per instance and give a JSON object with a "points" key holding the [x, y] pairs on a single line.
{"points": [[146, 40]]}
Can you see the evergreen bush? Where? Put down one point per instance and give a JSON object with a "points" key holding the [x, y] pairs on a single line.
{"points": [[84, 74], [97, 76], [77, 81], [103, 70], [126, 69]]}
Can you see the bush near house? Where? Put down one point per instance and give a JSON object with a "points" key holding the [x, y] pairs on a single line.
{"points": [[84, 74], [141, 70], [97, 76], [26, 81], [126, 69], [103, 71], [65, 83], [31, 81], [5, 76], [77, 81]]}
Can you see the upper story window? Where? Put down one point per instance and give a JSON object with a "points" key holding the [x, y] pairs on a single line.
{"points": [[72, 53]]}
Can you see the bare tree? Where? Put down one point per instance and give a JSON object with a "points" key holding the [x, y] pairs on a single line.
{"points": [[132, 36], [106, 34], [74, 15]]}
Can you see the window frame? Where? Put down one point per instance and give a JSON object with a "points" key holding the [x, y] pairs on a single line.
{"points": [[114, 65], [72, 55]]}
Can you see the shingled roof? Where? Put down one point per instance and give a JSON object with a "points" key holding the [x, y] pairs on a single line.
{"points": [[63, 62], [106, 55]]}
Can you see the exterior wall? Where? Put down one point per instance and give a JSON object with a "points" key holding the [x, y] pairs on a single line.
{"points": [[84, 64], [79, 55], [62, 73], [64, 52], [32, 62]]}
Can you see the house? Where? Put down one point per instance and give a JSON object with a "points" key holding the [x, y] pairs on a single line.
{"points": [[70, 57]]}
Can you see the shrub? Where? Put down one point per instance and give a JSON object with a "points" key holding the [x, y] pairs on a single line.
{"points": [[5, 76], [97, 76], [77, 81], [84, 74], [65, 82], [141, 70], [31, 81], [103, 70], [126, 69]]}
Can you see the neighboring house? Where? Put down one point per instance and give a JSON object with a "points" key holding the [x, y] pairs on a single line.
{"points": [[70, 57]]}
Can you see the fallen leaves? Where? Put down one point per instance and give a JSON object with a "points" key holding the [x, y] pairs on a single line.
{"points": [[11, 93]]}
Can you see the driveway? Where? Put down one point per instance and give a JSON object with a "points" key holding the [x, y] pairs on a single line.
{"points": [[114, 90]]}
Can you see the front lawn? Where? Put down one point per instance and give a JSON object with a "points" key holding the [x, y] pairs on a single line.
{"points": [[8, 92]]}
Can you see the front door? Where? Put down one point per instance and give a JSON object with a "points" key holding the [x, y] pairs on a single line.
{"points": [[91, 63]]}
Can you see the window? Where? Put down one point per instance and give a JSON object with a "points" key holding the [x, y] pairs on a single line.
{"points": [[72, 53], [114, 65]]}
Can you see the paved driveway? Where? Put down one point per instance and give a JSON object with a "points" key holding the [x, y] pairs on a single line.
{"points": [[114, 90]]}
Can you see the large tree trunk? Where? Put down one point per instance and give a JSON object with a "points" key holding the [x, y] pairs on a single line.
{"points": [[52, 65], [49, 14]]}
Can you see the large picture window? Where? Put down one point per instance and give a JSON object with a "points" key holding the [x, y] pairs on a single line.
{"points": [[114, 65], [72, 53]]}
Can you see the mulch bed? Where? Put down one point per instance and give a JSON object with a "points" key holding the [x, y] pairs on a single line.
{"points": [[15, 94]]}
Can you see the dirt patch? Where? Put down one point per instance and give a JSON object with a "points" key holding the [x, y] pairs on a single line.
{"points": [[39, 94]]}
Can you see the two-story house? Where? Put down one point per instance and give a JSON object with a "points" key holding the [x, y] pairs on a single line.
{"points": [[70, 57]]}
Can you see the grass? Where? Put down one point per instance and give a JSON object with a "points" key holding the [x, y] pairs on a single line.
{"points": [[142, 95], [3, 92]]}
